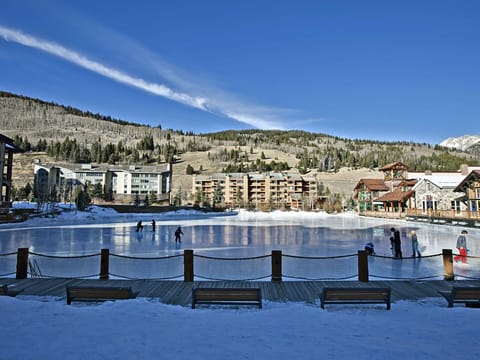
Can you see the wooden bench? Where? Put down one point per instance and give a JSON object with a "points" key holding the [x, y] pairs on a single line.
{"points": [[99, 293], [6, 291], [226, 296], [470, 296], [365, 295]]}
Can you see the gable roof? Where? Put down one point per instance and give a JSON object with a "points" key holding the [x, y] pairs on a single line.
{"points": [[443, 181], [396, 195], [474, 174], [372, 184], [394, 165]]}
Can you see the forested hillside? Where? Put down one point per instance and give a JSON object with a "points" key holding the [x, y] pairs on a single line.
{"points": [[64, 133]]}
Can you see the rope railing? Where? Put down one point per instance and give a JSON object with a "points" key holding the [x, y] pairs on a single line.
{"points": [[64, 257], [7, 274], [406, 278], [229, 279], [407, 257], [233, 259], [321, 279], [146, 258], [9, 254], [44, 276], [319, 257], [313, 268], [135, 278]]}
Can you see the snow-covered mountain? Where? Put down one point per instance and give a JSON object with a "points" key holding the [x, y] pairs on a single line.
{"points": [[462, 142]]}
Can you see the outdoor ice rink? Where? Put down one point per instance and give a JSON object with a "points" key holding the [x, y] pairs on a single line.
{"points": [[314, 245]]}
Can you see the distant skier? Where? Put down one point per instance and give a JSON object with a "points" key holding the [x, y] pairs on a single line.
{"points": [[139, 226], [153, 225], [178, 234]]}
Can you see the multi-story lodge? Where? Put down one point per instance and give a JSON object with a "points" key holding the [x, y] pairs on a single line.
{"points": [[122, 183], [273, 190], [7, 149]]}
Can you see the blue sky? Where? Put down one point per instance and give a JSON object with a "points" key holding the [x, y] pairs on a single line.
{"points": [[381, 70]]}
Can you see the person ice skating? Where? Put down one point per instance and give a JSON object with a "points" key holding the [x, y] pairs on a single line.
{"points": [[369, 248], [139, 226], [462, 247], [153, 225], [392, 245], [415, 250], [178, 234], [397, 243]]}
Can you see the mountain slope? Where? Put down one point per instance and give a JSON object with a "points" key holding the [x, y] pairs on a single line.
{"points": [[462, 143]]}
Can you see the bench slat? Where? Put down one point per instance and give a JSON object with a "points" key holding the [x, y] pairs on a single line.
{"points": [[460, 294], [6, 291], [355, 296], [226, 296], [97, 293]]}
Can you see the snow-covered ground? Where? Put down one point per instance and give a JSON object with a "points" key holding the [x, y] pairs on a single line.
{"points": [[46, 328]]}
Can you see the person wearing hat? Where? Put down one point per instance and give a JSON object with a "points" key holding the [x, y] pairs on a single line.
{"points": [[462, 247]]}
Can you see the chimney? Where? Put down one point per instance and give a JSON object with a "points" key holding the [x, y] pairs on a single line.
{"points": [[464, 169]]}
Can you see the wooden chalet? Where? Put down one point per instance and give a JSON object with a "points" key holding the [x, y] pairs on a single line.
{"points": [[470, 186], [366, 193]]}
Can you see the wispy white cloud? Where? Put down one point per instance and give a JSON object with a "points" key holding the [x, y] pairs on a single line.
{"points": [[253, 115], [109, 72]]}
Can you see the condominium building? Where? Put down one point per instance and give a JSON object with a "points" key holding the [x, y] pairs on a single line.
{"points": [[123, 183], [273, 190]]}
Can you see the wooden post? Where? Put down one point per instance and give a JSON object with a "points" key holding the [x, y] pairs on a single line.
{"points": [[276, 265], [188, 273], [104, 262], [22, 263], [362, 265], [448, 265]]}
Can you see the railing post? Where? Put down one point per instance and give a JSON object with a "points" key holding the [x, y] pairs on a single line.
{"points": [[104, 264], [188, 273], [448, 264], [362, 265], [276, 265], [22, 263]]}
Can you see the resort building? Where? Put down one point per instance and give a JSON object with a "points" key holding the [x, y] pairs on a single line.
{"points": [[273, 190], [119, 183], [7, 149], [425, 195]]}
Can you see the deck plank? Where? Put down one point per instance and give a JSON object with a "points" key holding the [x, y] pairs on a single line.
{"points": [[180, 293]]}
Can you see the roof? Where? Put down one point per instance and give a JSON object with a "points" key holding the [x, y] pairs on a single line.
{"points": [[9, 144], [372, 184], [408, 182], [442, 181], [394, 165], [474, 174], [396, 196]]}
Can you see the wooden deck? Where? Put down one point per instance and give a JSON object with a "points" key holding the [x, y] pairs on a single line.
{"points": [[180, 293]]}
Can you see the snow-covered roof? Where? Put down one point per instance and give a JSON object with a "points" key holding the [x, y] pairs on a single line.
{"points": [[442, 180]]}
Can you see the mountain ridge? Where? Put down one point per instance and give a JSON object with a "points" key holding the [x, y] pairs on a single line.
{"points": [[252, 150]]}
